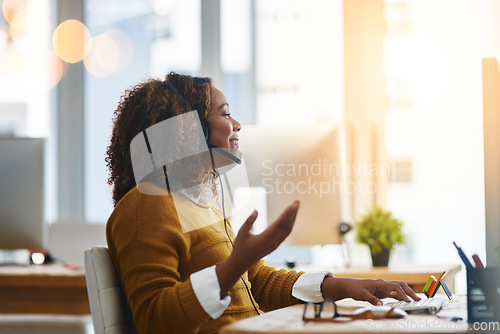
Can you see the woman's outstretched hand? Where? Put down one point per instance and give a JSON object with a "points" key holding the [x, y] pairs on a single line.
{"points": [[250, 248], [370, 290]]}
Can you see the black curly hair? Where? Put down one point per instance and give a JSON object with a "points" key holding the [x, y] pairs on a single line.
{"points": [[144, 105]]}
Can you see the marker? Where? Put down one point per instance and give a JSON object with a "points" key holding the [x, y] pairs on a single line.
{"points": [[477, 261], [443, 274], [464, 258], [428, 284], [433, 285]]}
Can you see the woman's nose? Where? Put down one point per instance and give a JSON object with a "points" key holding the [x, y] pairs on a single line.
{"points": [[236, 126]]}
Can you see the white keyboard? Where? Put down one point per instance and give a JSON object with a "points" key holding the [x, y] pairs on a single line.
{"points": [[429, 305]]}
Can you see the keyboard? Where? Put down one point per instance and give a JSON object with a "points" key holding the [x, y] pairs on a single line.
{"points": [[429, 305]]}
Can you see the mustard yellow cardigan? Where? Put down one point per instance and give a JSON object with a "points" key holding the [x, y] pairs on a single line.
{"points": [[155, 259]]}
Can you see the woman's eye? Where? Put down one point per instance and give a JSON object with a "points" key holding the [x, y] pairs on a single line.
{"points": [[226, 114]]}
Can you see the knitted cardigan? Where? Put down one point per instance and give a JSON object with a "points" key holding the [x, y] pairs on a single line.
{"points": [[155, 258]]}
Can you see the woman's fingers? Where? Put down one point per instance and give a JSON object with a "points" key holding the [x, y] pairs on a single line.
{"points": [[370, 290], [282, 226], [408, 290], [254, 247], [381, 289], [400, 294], [285, 224], [394, 290], [247, 225], [372, 299], [287, 218]]}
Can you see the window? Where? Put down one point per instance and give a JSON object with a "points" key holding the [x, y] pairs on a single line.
{"points": [[273, 61], [29, 71], [299, 58], [401, 171], [149, 39]]}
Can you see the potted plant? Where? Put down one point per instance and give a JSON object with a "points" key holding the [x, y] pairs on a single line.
{"points": [[381, 231]]}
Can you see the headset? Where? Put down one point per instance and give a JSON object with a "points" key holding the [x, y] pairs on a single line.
{"points": [[236, 159]]}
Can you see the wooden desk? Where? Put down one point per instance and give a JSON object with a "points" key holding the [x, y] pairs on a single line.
{"points": [[414, 275], [289, 320], [44, 289]]}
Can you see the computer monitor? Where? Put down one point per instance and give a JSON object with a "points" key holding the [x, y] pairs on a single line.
{"points": [[298, 163], [22, 193]]}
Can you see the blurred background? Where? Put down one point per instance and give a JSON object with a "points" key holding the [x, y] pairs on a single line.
{"points": [[401, 78]]}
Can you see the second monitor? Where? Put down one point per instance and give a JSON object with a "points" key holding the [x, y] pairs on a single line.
{"points": [[22, 193], [302, 163]]}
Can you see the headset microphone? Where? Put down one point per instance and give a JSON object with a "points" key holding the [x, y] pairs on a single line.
{"points": [[235, 158]]}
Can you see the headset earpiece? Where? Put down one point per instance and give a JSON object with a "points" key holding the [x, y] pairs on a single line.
{"points": [[204, 124]]}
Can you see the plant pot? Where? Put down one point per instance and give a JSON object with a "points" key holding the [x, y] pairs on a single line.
{"points": [[381, 259]]}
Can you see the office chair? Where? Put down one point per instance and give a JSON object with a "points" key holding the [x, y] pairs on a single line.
{"points": [[108, 305]]}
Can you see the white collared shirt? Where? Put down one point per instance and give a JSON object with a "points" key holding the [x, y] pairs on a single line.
{"points": [[207, 289]]}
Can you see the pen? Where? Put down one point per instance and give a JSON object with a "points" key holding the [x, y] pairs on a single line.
{"points": [[442, 275], [477, 261], [464, 258]]}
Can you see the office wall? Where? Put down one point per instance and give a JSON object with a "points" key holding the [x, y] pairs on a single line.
{"points": [[491, 105]]}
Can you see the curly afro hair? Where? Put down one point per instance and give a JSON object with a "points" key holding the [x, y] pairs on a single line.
{"points": [[142, 106]]}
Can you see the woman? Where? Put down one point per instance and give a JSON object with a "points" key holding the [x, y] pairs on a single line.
{"points": [[179, 281]]}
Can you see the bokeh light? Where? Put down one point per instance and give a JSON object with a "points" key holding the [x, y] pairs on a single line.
{"points": [[103, 57], [14, 61], [124, 45], [70, 41], [10, 8], [19, 24], [49, 70]]}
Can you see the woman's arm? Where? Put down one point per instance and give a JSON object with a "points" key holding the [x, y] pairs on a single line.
{"points": [[272, 288]]}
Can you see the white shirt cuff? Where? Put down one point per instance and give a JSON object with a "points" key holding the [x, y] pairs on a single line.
{"points": [[207, 289], [308, 286]]}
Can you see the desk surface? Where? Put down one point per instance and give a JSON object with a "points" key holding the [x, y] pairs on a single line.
{"points": [[48, 289], [289, 320], [49, 275]]}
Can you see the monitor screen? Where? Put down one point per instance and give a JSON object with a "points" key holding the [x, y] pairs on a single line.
{"points": [[298, 163], [22, 193]]}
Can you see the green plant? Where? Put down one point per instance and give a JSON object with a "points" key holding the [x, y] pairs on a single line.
{"points": [[379, 229]]}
